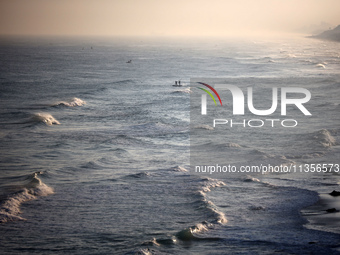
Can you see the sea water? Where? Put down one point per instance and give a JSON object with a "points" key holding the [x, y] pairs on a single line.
{"points": [[95, 150]]}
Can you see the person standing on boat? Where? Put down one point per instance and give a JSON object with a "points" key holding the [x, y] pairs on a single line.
{"points": [[176, 83], [179, 83]]}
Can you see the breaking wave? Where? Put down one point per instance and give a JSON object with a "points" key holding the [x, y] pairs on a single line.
{"points": [[143, 252], [249, 178], [179, 169], [191, 232], [218, 217], [235, 145], [71, 103], [10, 207], [324, 138], [321, 66], [45, 118], [186, 91], [139, 175], [206, 127]]}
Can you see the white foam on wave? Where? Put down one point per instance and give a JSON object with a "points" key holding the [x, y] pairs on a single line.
{"points": [[160, 241], [210, 183], [324, 138], [186, 91], [321, 66], [43, 117], [206, 127], [71, 103], [196, 231], [191, 232], [249, 178], [10, 207], [313, 155], [233, 145], [220, 216], [144, 252], [179, 169]]}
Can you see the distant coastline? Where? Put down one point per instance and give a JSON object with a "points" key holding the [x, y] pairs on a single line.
{"points": [[331, 35]]}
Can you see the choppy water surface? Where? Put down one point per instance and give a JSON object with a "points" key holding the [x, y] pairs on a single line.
{"points": [[95, 150]]}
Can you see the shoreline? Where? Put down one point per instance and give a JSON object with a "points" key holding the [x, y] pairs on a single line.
{"points": [[324, 215]]}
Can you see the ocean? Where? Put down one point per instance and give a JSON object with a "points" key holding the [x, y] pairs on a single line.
{"points": [[95, 148]]}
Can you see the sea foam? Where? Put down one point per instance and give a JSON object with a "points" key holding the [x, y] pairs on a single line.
{"points": [[45, 118], [71, 103], [10, 207], [194, 232], [325, 138]]}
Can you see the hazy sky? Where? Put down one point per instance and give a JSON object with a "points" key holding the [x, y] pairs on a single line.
{"points": [[163, 17]]}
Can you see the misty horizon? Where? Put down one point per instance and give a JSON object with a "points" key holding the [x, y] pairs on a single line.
{"points": [[166, 18]]}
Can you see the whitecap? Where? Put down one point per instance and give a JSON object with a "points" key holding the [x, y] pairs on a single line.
{"points": [[235, 145], [179, 169], [249, 178], [325, 138], [10, 207], [321, 66], [45, 118], [186, 91], [206, 127], [71, 103]]}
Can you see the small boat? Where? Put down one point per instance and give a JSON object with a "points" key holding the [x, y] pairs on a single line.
{"points": [[129, 61]]}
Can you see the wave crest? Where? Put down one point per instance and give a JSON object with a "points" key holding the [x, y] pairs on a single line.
{"points": [[179, 169], [10, 207], [188, 233], [186, 91], [321, 65], [45, 118], [325, 138], [249, 178], [206, 127], [71, 103]]}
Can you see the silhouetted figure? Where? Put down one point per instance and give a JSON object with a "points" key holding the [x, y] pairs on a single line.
{"points": [[335, 193], [332, 210]]}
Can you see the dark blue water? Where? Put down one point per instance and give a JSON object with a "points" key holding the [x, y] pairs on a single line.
{"points": [[95, 150]]}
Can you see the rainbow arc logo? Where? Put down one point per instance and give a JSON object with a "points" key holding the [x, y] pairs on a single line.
{"points": [[209, 93]]}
